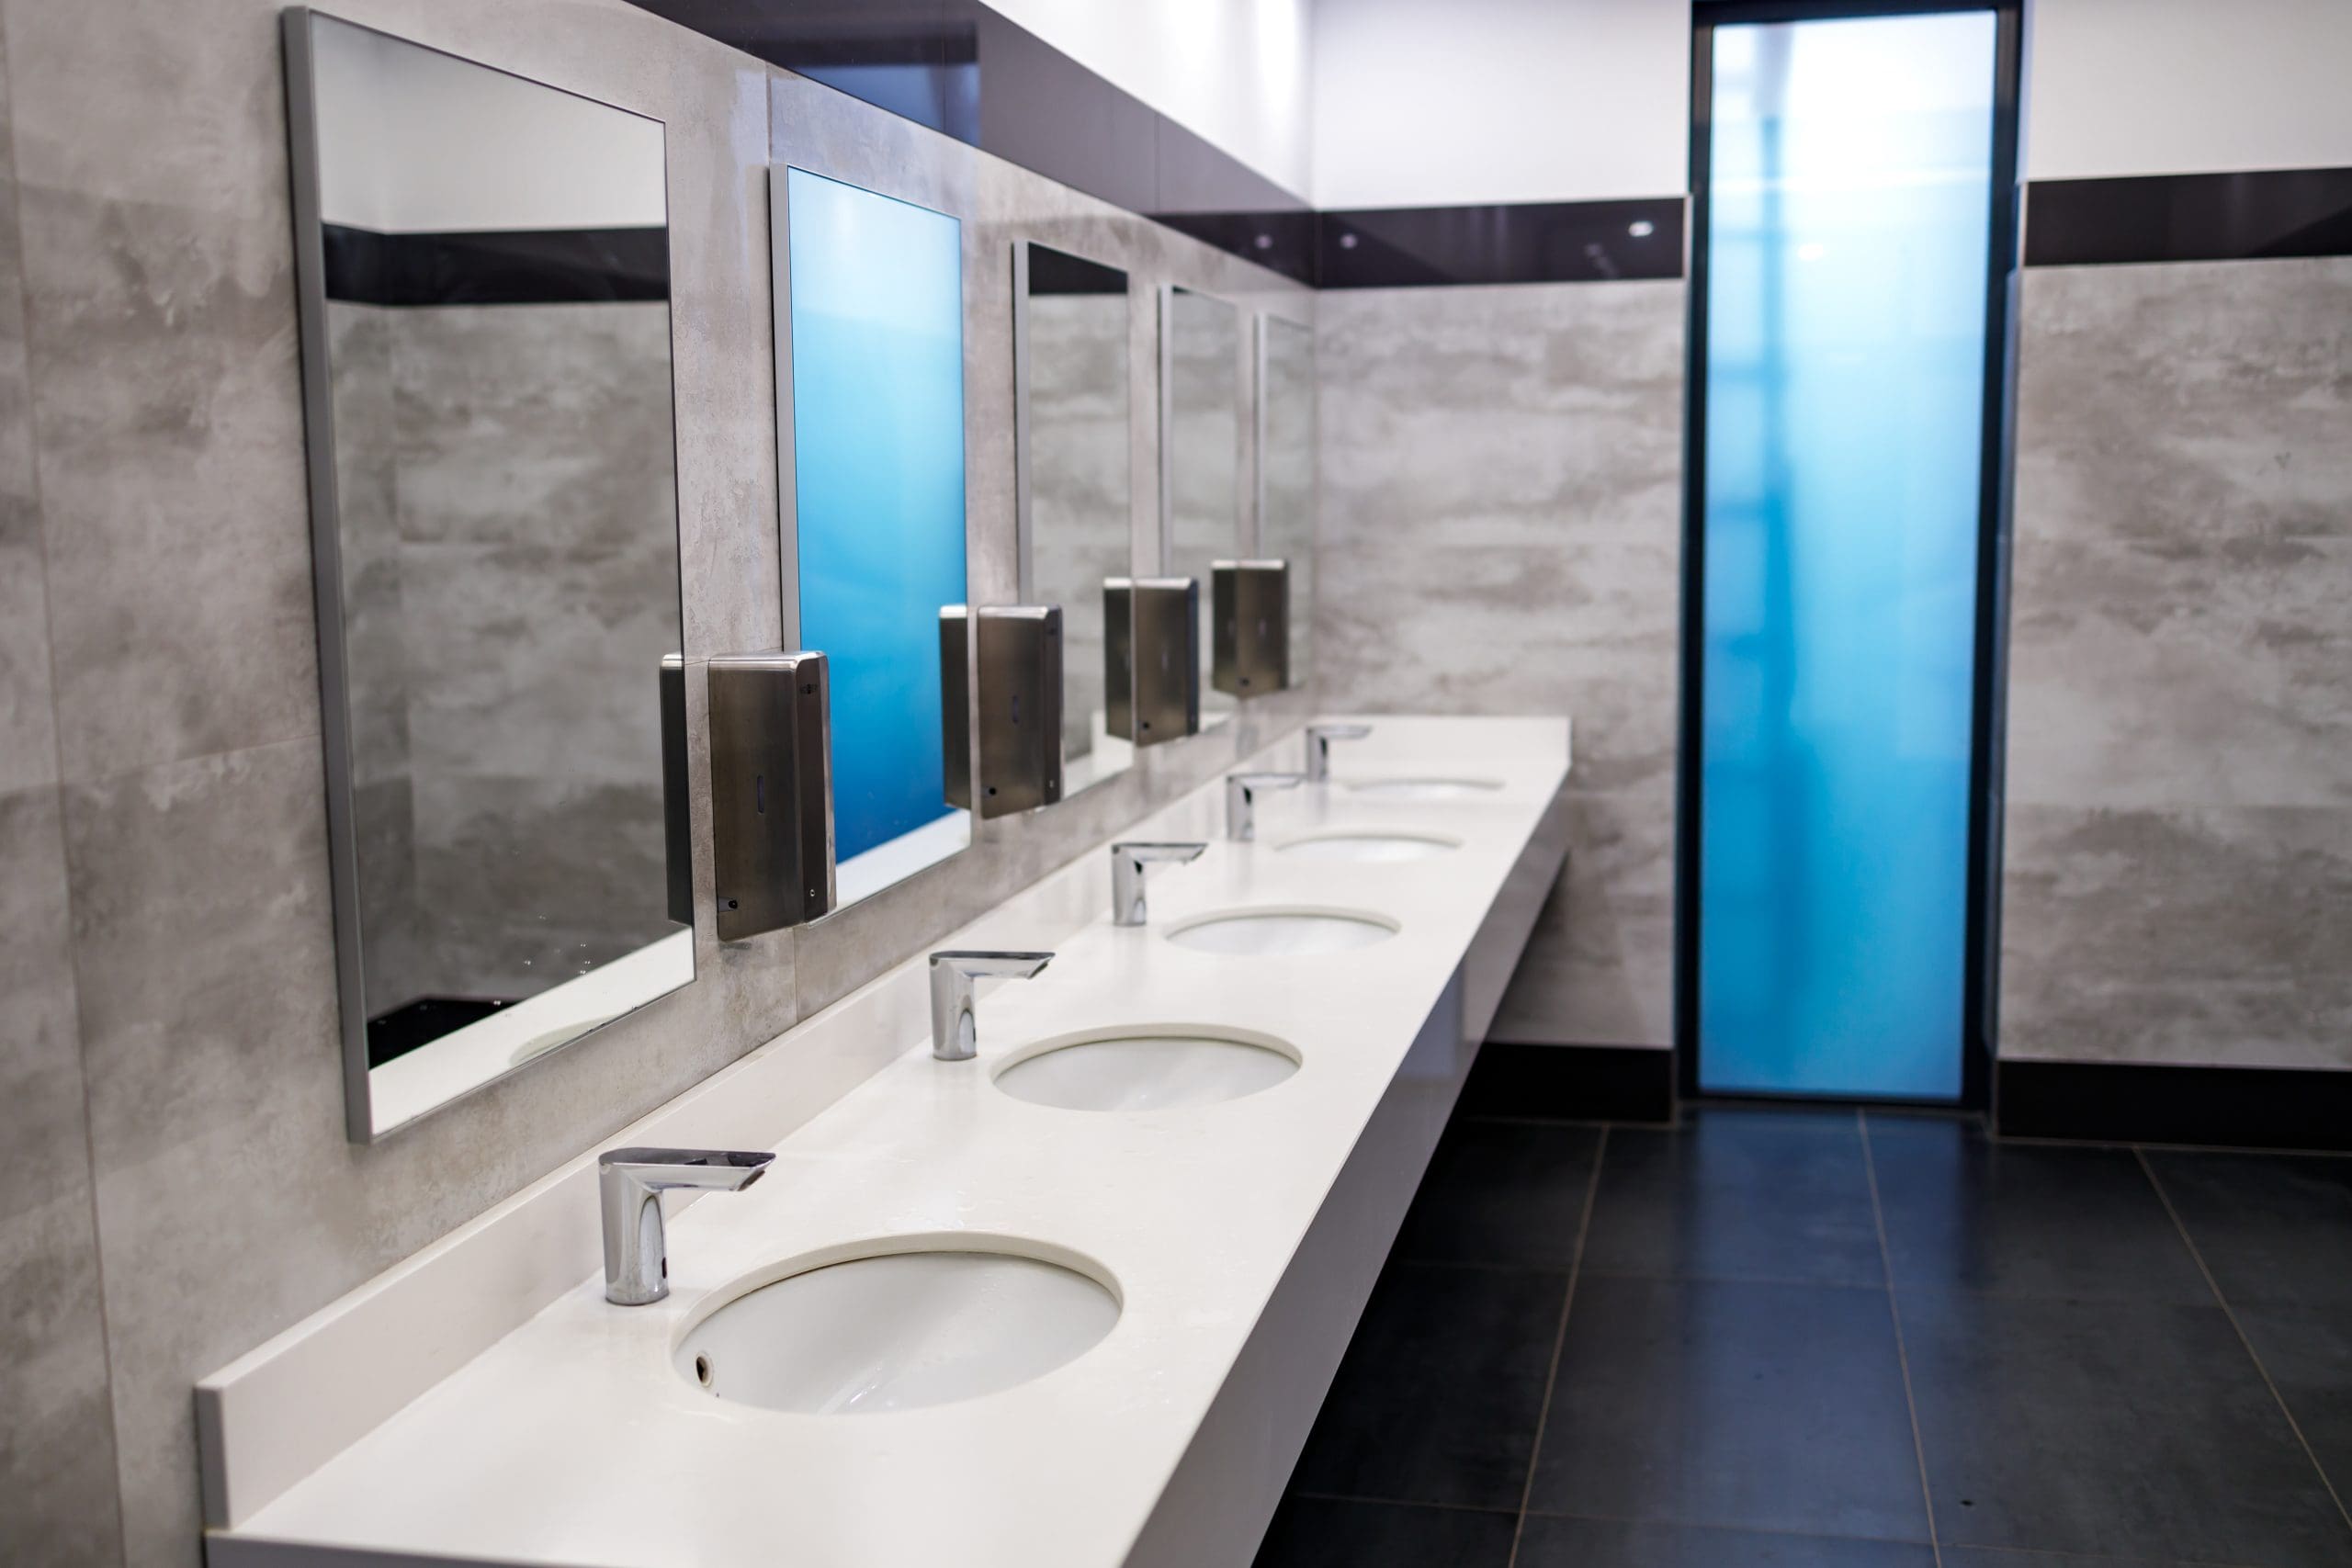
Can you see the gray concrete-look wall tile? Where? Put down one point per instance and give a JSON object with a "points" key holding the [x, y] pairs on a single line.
{"points": [[57, 1468], [2184, 549], [27, 734], [1500, 473], [2179, 773], [2208, 936]]}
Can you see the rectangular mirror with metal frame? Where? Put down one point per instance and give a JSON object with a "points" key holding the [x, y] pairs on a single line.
{"points": [[1201, 402], [1071, 482], [1285, 411], [869, 312], [482, 263]]}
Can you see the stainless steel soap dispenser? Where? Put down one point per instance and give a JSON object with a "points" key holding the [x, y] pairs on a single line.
{"points": [[1151, 657], [1018, 706], [1250, 617], [771, 791]]}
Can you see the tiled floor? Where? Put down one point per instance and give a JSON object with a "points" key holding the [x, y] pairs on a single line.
{"points": [[1832, 1339]]}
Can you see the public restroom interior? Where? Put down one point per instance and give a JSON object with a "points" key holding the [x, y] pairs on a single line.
{"points": [[1029, 784]]}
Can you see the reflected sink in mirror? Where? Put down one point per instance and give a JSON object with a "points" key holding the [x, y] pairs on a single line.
{"points": [[897, 1331], [1422, 789], [1274, 933], [1363, 847], [1171, 1068]]}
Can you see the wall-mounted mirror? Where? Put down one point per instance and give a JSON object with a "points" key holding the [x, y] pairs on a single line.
{"points": [[483, 265], [870, 436], [1201, 365], [1070, 433], [1286, 472]]}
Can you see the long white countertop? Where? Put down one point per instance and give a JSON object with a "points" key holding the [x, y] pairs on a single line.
{"points": [[572, 1440]]}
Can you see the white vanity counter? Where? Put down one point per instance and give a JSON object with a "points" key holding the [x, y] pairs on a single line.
{"points": [[446, 1413]]}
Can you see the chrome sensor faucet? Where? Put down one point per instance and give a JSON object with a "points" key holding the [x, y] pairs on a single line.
{"points": [[955, 1034], [1127, 863], [1319, 747], [629, 1184], [1241, 801]]}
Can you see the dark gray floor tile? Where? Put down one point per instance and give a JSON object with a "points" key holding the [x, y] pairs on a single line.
{"points": [[1503, 1193], [1761, 1407], [2273, 1228], [1608, 1543], [1739, 1195], [1963, 1213], [2120, 1429], [1439, 1397], [1315, 1532], [2307, 1350]]}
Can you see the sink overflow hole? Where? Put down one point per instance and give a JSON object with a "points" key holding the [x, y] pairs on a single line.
{"points": [[702, 1371]]}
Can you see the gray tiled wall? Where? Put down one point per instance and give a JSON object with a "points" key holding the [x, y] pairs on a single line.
{"points": [[1501, 472], [2178, 874], [170, 1063]]}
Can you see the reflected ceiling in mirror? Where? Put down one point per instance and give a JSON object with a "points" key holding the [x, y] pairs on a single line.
{"points": [[1071, 447], [484, 276], [872, 433], [1201, 368], [1286, 472]]}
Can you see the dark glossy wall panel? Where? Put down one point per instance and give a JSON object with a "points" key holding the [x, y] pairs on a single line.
{"points": [[966, 72], [2176, 217], [1577, 241]]}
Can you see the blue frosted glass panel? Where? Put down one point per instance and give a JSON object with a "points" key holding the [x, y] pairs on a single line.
{"points": [[1849, 195], [877, 432]]}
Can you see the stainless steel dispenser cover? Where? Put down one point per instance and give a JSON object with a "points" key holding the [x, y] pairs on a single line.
{"points": [[1152, 655], [1020, 709], [677, 814], [1250, 611], [955, 704], [771, 791]]}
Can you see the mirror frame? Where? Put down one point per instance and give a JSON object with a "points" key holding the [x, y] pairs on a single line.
{"points": [[304, 156]]}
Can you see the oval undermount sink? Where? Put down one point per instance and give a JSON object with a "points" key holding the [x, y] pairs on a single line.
{"points": [[1170, 1068], [897, 1331], [1368, 847], [1424, 789], [1282, 932]]}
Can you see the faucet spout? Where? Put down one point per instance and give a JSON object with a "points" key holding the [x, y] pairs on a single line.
{"points": [[1241, 801], [1319, 747], [1127, 863], [955, 1032], [629, 1184]]}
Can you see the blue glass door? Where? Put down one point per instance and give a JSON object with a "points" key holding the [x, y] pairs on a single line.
{"points": [[1848, 197]]}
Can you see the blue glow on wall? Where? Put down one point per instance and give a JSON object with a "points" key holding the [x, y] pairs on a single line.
{"points": [[1849, 204], [877, 432]]}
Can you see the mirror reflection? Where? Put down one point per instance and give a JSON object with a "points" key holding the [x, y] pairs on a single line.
{"points": [[1070, 341], [1200, 449], [1286, 472], [874, 443], [485, 271]]}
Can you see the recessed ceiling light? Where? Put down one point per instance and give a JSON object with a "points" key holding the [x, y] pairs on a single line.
{"points": [[1641, 227]]}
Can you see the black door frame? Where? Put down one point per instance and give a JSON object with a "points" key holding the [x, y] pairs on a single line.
{"points": [[1982, 974]]}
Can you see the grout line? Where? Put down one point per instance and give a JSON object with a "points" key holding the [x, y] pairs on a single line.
{"points": [[1902, 1351], [1559, 1342], [2239, 1329]]}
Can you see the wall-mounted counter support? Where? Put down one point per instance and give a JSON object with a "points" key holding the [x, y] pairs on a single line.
{"points": [[1249, 606], [1151, 653], [771, 791], [1020, 705]]}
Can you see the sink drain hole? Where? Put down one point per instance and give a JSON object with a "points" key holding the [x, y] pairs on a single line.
{"points": [[702, 1371]]}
